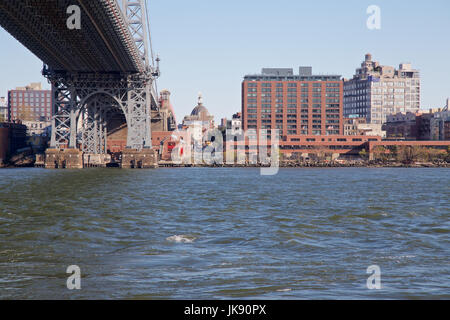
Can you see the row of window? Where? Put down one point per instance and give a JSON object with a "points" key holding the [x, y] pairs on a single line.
{"points": [[302, 132], [293, 90], [330, 119], [293, 95], [292, 84], [252, 101], [30, 104], [33, 114], [293, 111], [366, 84], [291, 105], [15, 94]]}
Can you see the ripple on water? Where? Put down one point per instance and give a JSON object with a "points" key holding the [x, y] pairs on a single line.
{"points": [[224, 233]]}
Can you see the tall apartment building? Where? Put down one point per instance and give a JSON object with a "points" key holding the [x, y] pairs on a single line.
{"points": [[33, 107], [303, 104], [30, 103], [377, 91]]}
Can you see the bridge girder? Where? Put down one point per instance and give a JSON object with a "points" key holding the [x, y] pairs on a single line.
{"points": [[103, 44]]}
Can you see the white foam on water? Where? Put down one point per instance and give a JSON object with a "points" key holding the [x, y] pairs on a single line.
{"points": [[181, 239], [400, 257], [284, 290]]}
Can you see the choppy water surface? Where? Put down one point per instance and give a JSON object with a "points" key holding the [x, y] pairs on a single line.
{"points": [[224, 233]]}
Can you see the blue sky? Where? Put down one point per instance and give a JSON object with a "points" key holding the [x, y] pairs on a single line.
{"points": [[208, 46]]}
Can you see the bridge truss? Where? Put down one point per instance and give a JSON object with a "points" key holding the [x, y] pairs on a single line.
{"points": [[83, 100]]}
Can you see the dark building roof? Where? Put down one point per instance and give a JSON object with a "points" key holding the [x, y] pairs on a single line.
{"points": [[287, 74], [200, 109]]}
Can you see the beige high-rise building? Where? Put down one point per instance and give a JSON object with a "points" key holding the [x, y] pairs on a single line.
{"points": [[3, 110], [377, 91]]}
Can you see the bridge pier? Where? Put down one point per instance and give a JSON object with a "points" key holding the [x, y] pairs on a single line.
{"points": [[63, 159], [76, 159], [96, 160], [139, 159]]}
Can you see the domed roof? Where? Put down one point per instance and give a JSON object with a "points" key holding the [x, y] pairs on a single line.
{"points": [[200, 109]]}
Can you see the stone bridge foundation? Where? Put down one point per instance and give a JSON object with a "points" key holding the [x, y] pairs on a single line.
{"points": [[136, 159], [76, 159], [63, 159]]}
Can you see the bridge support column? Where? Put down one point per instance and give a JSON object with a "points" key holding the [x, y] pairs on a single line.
{"points": [[139, 159], [63, 159], [64, 121]]}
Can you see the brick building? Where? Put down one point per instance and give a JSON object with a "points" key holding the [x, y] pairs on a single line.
{"points": [[402, 126], [431, 126], [303, 104], [12, 138], [353, 126], [307, 110], [30, 103]]}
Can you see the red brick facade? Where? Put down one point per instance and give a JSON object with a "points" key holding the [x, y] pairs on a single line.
{"points": [[30, 105], [293, 107]]}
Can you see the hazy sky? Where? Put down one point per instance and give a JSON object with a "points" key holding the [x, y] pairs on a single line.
{"points": [[209, 45]]}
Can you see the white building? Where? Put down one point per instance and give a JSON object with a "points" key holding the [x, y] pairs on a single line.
{"points": [[3, 110], [234, 126], [199, 121], [38, 128], [377, 91]]}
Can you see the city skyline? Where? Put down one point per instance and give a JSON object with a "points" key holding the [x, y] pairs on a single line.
{"points": [[301, 166], [236, 43]]}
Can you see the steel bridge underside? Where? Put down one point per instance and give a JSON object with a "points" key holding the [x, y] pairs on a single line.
{"points": [[103, 44]]}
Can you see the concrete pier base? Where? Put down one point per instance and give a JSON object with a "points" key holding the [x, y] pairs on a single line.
{"points": [[135, 159], [96, 160], [63, 159]]}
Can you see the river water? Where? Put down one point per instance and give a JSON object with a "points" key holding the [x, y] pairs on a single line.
{"points": [[224, 233]]}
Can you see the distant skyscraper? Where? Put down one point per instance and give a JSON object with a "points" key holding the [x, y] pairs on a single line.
{"points": [[377, 91]]}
